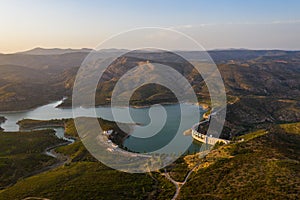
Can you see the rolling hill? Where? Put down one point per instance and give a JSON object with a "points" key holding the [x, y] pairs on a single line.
{"points": [[260, 165]]}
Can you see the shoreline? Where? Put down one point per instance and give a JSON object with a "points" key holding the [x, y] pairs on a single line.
{"points": [[2, 121], [27, 110], [33, 128], [204, 106]]}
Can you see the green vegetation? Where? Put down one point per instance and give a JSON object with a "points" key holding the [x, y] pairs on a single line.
{"points": [[76, 151], [254, 112], [70, 129], [89, 180], [27, 124], [178, 170], [265, 165], [291, 128], [251, 136], [117, 136], [262, 164], [82, 180], [21, 154], [86, 178]]}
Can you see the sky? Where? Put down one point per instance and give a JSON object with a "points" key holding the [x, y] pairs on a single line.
{"points": [[215, 24]]}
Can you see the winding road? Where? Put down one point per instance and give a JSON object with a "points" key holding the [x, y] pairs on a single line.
{"points": [[178, 184], [50, 151]]}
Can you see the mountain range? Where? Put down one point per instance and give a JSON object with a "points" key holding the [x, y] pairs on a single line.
{"points": [[262, 86]]}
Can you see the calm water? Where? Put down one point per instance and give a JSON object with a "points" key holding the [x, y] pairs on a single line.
{"points": [[139, 115]]}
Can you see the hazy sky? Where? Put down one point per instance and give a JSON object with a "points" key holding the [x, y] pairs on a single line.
{"points": [[256, 24]]}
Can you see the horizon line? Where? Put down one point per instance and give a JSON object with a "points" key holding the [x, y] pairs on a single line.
{"points": [[92, 49]]}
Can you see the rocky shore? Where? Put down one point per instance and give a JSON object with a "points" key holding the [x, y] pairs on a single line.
{"points": [[2, 120]]}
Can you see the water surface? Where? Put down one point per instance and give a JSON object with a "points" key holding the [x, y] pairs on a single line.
{"points": [[139, 115]]}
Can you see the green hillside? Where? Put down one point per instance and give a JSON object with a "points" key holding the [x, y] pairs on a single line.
{"points": [[22, 154], [260, 165]]}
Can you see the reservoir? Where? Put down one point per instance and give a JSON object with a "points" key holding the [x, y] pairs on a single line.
{"points": [[142, 144]]}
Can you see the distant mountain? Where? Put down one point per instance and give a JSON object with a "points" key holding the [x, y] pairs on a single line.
{"points": [[219, 55], [59, 51], [50, 63], [54, 51]]}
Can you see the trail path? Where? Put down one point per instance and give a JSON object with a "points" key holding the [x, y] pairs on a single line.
{"points": [[178, 184]]}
